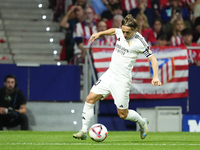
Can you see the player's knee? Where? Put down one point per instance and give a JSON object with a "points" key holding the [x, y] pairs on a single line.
{"points": [[90, 100]]}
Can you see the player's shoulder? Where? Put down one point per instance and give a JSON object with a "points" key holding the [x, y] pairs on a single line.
{"points": [[118, 30], [140, 39]]}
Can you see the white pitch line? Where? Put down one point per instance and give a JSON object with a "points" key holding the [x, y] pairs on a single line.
{"points": [[136, 144]]}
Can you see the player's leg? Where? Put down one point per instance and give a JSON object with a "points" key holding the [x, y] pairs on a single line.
{"points": [[120, 93], [88, 110], [98, 91], [87, 115], [129, 114], [132, 115]]}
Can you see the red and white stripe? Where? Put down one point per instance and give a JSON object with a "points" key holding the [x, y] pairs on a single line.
{"points": [[84, 31], [176, 41], [189, 1], [176, 79], [129, 4], [106, 41]]}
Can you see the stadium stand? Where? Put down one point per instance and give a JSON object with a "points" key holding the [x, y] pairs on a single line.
{"points": [[29, 33]]}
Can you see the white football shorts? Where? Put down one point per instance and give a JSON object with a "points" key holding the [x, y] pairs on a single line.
{"points": [[118, 89]]}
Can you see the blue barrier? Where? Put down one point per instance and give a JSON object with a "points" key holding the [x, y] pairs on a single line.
{"points": [[191, 123], [46, 82]]}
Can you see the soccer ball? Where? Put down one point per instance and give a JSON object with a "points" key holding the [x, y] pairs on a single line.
{"points": [[98, 132]]}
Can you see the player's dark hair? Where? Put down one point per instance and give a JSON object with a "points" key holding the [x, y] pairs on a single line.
{"points": [[11, 76], [129, 21], [158, 19], [186, 31], [116, 6], [162, 37]]}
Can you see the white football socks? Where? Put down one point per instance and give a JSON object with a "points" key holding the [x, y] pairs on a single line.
{"points": [[135, 117], [88, 113]]}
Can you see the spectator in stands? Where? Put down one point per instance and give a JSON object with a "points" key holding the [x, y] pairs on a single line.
{"points": [[142, 8], [52, 4], [193, 7], [101, 26], [162, 40], [131, 4], [193, 54], [12, 105], [103, 5], [167, 12], [197, 31], [109, 3], [116, 9], [103, 40], [69, 24], [82, 3], [157, 27], [99, 6], [176, 15], [117, 21], [83, 31], [59, 10], [144, 29], [176, 38]]}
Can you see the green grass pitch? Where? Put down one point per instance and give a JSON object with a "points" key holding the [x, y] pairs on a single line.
{"points": [[118, 140]]}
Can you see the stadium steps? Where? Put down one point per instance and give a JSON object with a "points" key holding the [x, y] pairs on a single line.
{"points": [[26, 34], [23, 4], [14, 39], [28, 16], [36, 34]]}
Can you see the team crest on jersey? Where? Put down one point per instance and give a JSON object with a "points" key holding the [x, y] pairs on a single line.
{"points": [[129, 43]]}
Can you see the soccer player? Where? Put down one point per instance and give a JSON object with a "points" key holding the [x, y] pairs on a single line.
{"points": [[117, 79]]}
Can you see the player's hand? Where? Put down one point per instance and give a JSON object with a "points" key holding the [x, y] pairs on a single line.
{"points": [[94, 37], [156, 81]]}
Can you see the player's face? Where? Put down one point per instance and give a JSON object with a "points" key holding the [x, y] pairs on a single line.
{"points": [[128, 32], [10, 84]]}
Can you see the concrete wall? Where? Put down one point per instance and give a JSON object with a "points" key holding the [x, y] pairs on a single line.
{"points": [[55, 116]]}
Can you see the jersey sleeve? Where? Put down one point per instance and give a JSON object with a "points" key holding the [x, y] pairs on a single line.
{"points": [[144, 47], [117, 31]]}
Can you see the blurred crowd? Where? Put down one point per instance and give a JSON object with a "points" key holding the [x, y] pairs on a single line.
{"points": [[161, 22]]}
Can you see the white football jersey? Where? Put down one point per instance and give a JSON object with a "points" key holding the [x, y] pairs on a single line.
{"points": [[125, 55]]}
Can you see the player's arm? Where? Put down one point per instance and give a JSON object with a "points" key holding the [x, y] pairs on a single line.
{"points": [[154, 62], [98, 34]]}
